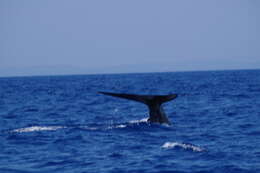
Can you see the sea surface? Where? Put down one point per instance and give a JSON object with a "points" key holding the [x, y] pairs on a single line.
{"points": [[62, 124]]}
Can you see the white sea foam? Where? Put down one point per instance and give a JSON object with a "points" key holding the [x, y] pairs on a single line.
{"points": [[120, 126], [168, 145], [138, 121], [117, 126], [37, 128], [125, 125]]}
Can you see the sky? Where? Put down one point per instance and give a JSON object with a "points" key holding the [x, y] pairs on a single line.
{"points": [[52, 37]]}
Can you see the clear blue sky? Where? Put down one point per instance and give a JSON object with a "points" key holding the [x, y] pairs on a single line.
{"points": [[110, 36]]}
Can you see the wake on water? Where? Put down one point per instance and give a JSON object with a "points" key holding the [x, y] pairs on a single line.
{"points": [[86, 127], [142, 122]]}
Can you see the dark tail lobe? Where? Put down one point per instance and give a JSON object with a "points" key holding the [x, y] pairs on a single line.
{"points": [[146, 99]]}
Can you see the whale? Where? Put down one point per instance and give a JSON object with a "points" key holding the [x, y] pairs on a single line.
{"points": [[154, 103]]}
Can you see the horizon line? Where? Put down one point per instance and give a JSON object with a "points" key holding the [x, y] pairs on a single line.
{"points": [[119, 73]]}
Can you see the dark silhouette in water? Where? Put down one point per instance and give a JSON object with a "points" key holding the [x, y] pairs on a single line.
{"points": [[154, 103]]}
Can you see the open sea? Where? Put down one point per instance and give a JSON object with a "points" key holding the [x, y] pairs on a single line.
{"points": [[60, 124]]}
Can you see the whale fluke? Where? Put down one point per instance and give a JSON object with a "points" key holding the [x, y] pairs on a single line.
{"points": [[154, 103]]}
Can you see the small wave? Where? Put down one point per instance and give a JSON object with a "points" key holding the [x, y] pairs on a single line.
{"points": [[37, 128], [168, 145]]}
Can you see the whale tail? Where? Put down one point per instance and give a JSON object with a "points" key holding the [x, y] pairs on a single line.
{"points": [[154, 103], [146, 99]]}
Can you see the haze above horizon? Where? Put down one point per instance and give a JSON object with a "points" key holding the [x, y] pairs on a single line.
{"points": [[85, 37]]}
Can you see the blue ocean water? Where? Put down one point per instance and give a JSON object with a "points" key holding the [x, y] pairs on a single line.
{"points": [[61, 124]]}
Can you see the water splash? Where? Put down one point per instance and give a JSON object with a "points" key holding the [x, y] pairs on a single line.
{"points": [[130, 123], [144, 120], [168, 145]]}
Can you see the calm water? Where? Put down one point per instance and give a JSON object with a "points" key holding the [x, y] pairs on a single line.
{"points": [[61, 124]]}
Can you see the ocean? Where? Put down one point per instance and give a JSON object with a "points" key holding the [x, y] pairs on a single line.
{"points": [[62, 124]]}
